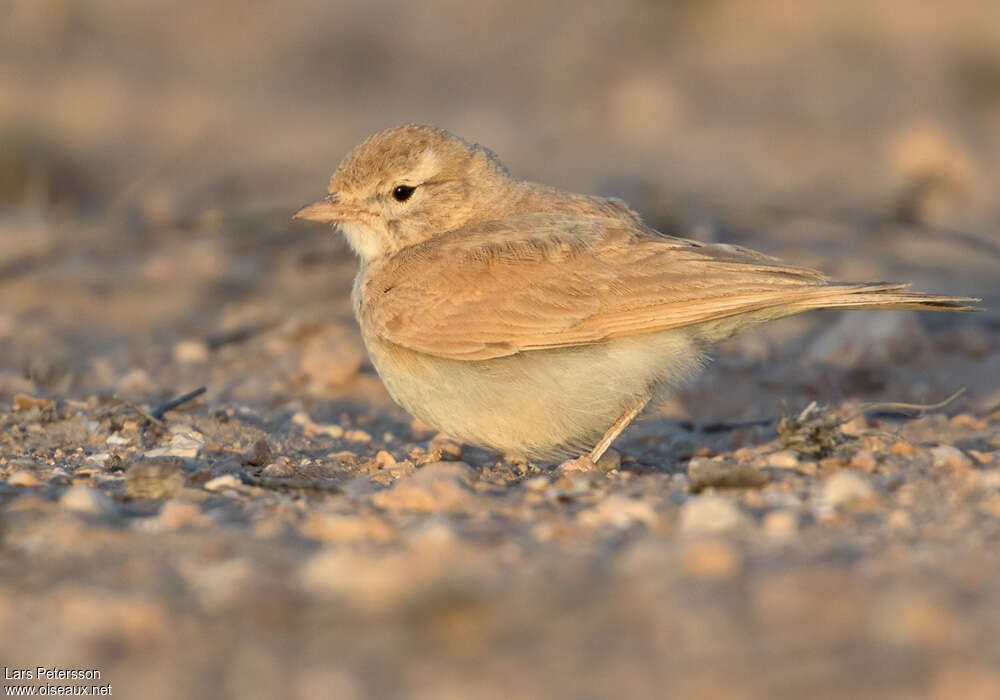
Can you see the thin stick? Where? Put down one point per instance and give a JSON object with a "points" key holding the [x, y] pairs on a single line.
{"points": [[895, 407], [174, 403]]}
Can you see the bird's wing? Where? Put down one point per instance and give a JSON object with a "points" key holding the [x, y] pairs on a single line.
{"points": [[539, 281]]}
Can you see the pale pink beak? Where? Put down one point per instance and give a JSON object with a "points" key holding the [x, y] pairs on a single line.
{"points": [[327, 209]]}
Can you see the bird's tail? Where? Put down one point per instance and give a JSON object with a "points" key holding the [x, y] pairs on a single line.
{"points": [[881, 295]]}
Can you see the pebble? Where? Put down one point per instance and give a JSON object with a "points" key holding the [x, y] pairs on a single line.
{"points": [[176, 514], [711, 513], [222, 483], [950, 457], [384, 459], [435, 486], [712, 559], [24, 402], [620, 512], [780, 524], [864, 460], [336, 527], [84, 499], [161, 477], [357, 435], [312, 429], [723, 473], [23, 477], [260, 453], [191, 352], [449, 448], [844, 488], [785, 459], [185, 442]]}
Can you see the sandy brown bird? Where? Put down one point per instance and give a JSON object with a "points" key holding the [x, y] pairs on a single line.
{"points": [[525, 319]]}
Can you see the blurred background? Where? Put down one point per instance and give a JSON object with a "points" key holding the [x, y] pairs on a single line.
{"points": [[151, 156]]}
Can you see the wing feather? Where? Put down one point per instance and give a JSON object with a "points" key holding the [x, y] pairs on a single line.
{"points": [[539, 281]]}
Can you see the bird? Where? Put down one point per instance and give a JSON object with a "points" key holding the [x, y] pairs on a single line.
{"points": [[535, 322]]}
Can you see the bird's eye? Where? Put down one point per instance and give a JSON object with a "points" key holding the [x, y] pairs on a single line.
{"points": [[402, 192]]}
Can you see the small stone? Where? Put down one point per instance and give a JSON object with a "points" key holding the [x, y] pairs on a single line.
{"points": [[222, 483], [83, 499], [711, 559], [176, 514], [332, 527], [185, 442], [357, 435], [864, 460], [384, 459], [903, 449], [161, 477], [844, 488], [435, 486], [785, 459], [23, 477], [117, 440], [100, 459], [720, 472], [899, 520], [312, 429], [858, 425], [536, 483], [780, 524], [191, 352], [620, 512], [948, 457], [965, 420], [259, 454], [710, 513], [449, 448], [24, 402]]}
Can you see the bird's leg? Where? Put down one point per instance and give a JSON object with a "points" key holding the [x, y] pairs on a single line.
{"points": [[615, 430]]}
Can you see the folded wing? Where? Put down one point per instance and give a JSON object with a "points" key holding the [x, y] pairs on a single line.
{"points": [[539, 281]]}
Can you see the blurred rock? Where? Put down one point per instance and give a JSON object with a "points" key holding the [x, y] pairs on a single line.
{"points": [[620, 512], [191, 352], [83, 499], [435, 486], [176, 514], [712, 559], [723, 473], [260, 453], [22, 477], [709, 513], [845, 488], [160, 477]]}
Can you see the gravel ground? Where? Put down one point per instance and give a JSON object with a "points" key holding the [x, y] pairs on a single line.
{"points": [[783, 528]]}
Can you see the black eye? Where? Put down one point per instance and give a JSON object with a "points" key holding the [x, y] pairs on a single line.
{"points": [[402, 192]]}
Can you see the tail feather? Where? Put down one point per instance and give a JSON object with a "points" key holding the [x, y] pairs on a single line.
{"points": [[880, 295]]}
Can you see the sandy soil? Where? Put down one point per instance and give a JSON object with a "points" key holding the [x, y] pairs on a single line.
{"points": [[776, 531]]}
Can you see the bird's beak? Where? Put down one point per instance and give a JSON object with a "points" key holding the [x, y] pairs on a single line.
{"points": [[327, 209]]}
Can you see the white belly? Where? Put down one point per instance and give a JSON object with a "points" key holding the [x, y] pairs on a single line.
{"points": [[543, 404]]}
